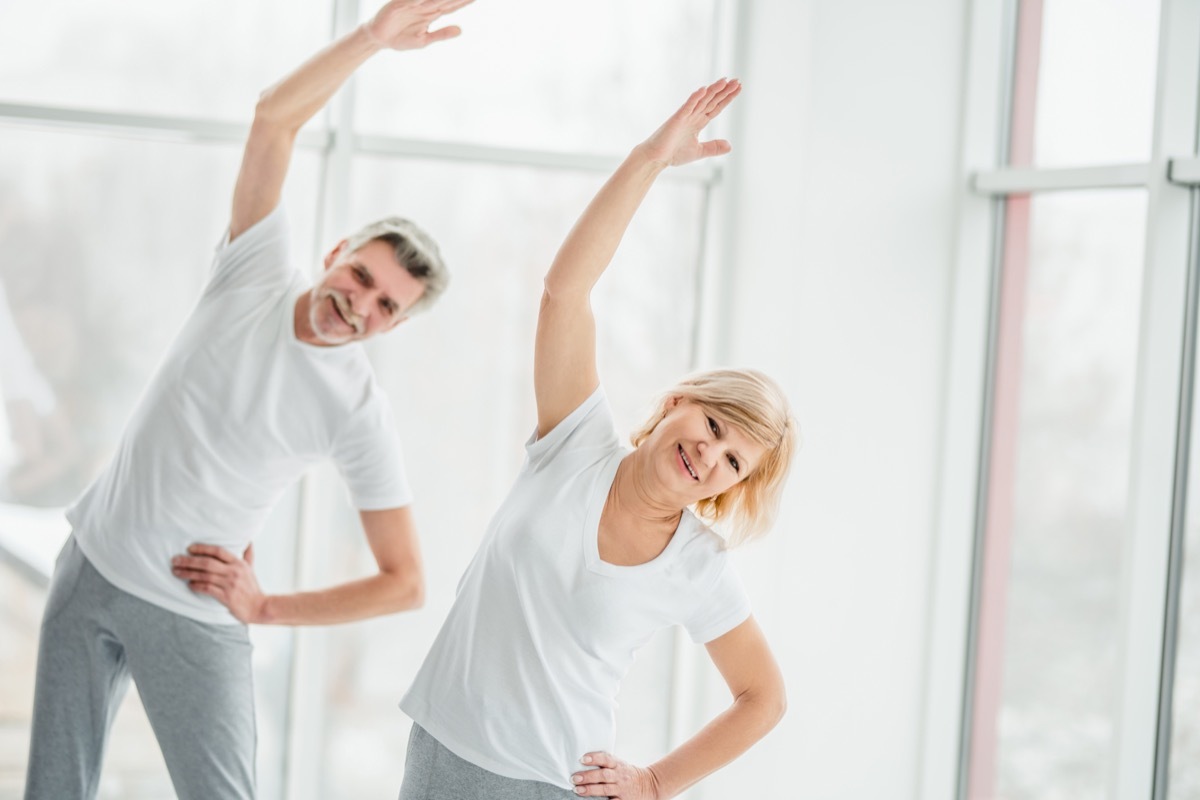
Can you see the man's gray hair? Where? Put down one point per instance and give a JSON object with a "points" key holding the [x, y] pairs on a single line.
{"points": [[415, 250]]}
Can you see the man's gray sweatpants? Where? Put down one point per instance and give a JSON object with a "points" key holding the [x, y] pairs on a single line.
{"points": [[194, 680]]}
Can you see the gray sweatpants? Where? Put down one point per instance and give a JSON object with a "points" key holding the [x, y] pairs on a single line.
{"points": [[194, 679], [432, 772]]}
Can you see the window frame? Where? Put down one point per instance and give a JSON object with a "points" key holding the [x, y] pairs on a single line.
{"points": [[1162, 409]]}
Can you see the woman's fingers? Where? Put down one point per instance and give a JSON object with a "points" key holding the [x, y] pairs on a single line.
{"points": [[717, 147], [599, 758], [723, 98]]}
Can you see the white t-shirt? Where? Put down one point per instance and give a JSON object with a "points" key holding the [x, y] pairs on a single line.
{"points": [[523, 677], [236, 413]]}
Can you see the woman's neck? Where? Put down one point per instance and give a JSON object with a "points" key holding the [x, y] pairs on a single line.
{"points": [[633, 499]]}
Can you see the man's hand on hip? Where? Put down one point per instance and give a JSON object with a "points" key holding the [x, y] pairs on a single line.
{"points": [[215, 571]]}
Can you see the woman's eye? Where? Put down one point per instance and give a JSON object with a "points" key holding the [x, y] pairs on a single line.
{"points": [[712, 425], [734, 463]]}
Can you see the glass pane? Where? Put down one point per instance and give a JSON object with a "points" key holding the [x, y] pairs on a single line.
{"points": [[1046, 688], [111, 240], [1094, 65], [196, 59], [461, 381], [596, 77]]}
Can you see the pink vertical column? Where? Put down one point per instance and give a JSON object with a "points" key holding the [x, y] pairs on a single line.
{"points": [[998, 524]]}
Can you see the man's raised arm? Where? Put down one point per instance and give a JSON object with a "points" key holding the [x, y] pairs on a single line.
{"points": [[284, 108]]}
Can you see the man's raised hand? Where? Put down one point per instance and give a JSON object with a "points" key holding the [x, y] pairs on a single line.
{"points": [[404, 24]]}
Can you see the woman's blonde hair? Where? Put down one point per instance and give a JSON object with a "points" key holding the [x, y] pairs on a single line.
{"points": [[753, 403]]}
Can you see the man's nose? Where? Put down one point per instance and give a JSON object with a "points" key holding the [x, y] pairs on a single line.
{"points": [[361, 301]]}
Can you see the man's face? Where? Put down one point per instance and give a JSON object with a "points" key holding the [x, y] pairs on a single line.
{"points": [[362, 293]]}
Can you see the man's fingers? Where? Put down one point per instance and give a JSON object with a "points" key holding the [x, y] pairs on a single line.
{"points": [[192, 574], [199, 563], [210, 589], [212, 551]]}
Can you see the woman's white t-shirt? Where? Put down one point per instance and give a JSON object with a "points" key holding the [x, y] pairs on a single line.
{"points": [[523, 677]]}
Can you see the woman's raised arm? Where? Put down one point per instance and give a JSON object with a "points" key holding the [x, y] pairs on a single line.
{"points": [[564, 360]]}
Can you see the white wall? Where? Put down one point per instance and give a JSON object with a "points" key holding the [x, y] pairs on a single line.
{"points": [[842, 210]]}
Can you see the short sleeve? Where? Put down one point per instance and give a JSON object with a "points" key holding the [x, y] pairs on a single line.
{"points": [[722, 608], [369, 457], [259, 258], [589, 426]]}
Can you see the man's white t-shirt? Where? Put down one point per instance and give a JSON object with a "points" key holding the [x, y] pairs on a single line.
{"points": [[236, 413], [523, 677]]}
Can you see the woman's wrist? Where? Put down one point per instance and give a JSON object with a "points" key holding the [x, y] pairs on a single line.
{"points": [[642, 156], [369, 38]]}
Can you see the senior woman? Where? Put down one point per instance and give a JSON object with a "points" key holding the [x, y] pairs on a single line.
{"points": [[595, 549]]}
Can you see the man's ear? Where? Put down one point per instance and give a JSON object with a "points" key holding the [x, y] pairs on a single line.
{"points": [[333, 254]]}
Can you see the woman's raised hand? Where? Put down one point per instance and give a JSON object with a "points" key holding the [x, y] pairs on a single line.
{"points": [[678, 140], [404, 24]]}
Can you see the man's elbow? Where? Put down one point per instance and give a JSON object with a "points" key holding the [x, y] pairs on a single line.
{"points": [[408, 590], [416, 592]]}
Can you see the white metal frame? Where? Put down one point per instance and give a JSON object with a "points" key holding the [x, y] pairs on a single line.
{"points": [[1156, 502], [1162, 412], [941, 772]]}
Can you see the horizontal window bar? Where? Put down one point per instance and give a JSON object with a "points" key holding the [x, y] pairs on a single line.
{"points": [[142, 125], [190, 129], [1025, 181], [457, 151], [1184, 171]]}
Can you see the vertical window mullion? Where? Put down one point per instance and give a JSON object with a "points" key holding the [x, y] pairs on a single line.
{"points": [[1154, 512]]}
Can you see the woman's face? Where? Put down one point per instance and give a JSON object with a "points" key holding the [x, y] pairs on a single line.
{"points": [[696, 454]]}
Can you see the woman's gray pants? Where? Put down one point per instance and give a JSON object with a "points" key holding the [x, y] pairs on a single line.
{"points": [[432, 772]]}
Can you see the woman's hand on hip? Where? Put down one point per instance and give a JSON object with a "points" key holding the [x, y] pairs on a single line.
{"points": [[614, 778]]}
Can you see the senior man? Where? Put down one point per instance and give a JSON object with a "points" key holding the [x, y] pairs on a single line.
{"points": [[265, 379]]}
